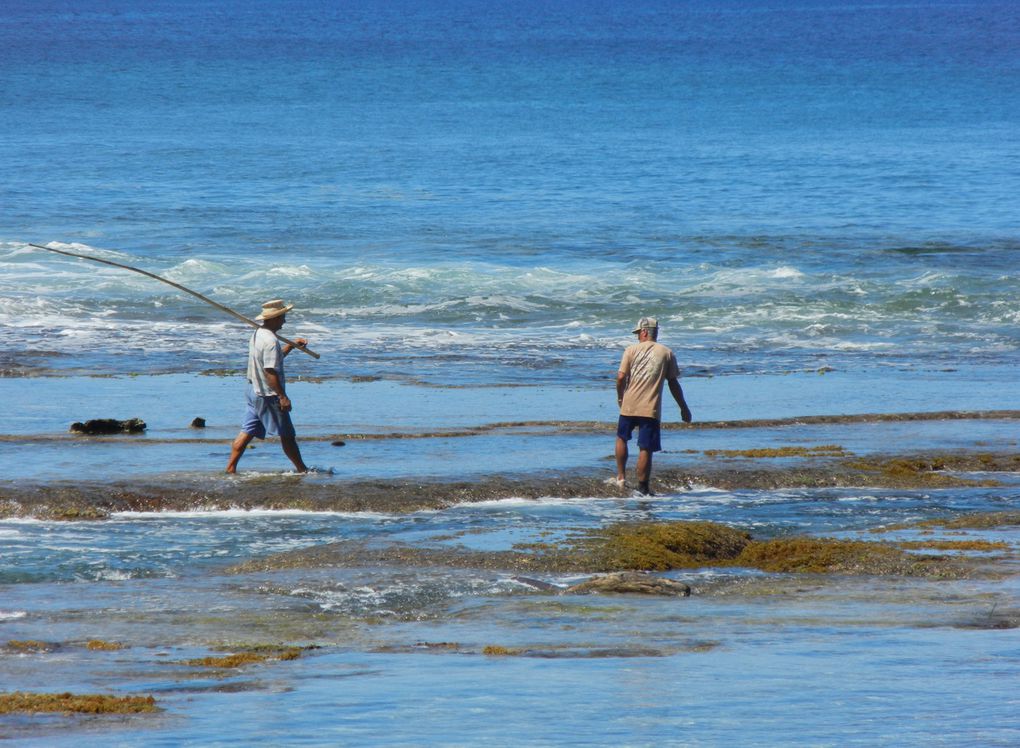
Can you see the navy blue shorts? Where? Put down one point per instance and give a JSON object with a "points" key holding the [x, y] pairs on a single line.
{"points": [[264, 417], [648, 432]]}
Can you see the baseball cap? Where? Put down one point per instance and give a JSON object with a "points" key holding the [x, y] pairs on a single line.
{"points": [[646, 323]]}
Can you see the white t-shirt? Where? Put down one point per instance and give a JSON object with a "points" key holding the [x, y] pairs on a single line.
{"points": [[264, 352]]}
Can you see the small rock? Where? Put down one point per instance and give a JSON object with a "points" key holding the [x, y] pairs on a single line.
{"points": [[630, 583], [108, 426], [338, 443], [538, 584], [198, 423]]}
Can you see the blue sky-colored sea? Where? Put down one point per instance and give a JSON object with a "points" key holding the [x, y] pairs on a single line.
{"points": [[460, 191], [819, 200]]}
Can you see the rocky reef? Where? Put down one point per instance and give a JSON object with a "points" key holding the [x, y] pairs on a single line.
{"points": [[93, 501]]}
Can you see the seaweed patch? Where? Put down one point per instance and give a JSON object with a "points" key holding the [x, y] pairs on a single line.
{"points": [[644, 546], [69, 703], [834, 556], [249, 656], [26, 646], [660, 546], [825, 450], [975, 521]]}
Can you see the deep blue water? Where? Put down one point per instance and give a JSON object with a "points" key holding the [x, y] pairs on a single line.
{"points": [[461, 191]]}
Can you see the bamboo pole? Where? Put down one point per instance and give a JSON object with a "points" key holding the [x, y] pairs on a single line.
{"points": [[178, 286]]}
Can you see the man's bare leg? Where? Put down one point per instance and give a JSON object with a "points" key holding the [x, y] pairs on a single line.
{"points": [[290, 448], [621, 460], [644, 470], [237, 450]]}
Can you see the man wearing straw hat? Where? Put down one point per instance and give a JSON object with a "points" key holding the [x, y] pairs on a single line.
{"points": [[269, 407], [645, 366]]}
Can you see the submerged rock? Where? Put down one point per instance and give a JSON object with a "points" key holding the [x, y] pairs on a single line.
{"points": [[99, 426], [630, 583], [198, 423]]}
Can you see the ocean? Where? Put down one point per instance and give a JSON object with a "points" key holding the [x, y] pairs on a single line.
{"points": [[470, 205]]}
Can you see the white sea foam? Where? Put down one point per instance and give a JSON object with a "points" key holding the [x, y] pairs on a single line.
{"points": [[114, 575], [241, 513], [11, 615], [475, 310]]}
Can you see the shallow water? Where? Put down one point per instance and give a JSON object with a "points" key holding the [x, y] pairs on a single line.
{"points": [[823, 660]]}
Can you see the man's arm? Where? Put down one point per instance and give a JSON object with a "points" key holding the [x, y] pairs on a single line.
{"points": [[621, 386], [678, 394], [299, 343], [274, 381]]}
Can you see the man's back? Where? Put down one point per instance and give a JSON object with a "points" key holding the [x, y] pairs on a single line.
{"points": [[647, 366]]}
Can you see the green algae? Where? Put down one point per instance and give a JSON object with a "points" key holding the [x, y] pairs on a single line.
{"points": [[975, 521], [69, 703], [660, 546], [251, 656], [805, 555], [97, 501], [239, 659], [825, 450], [981, 521], [928, 471], [98, 645], [27, 646], [953, 545], [494, 650], [574, 652], [277, 651], [642, 546], [74, 513], [419, 647]]}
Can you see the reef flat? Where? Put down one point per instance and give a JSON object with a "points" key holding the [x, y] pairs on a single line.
{"points": [[735, 470]]}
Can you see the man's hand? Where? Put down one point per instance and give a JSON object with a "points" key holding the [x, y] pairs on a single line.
{"points": [[285, 405], [298, 343], [678, 394]]}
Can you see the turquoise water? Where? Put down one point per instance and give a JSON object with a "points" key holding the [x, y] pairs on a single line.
{"points": [[819, 201]]}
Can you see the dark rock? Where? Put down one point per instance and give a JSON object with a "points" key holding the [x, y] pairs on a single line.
{"points": [[538, 584], [630, 583], [994, 620], [198, 423], [338, 443], [108, 426]]}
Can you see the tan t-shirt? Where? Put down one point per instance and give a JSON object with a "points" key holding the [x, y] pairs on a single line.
{"points": [[646, 365]]}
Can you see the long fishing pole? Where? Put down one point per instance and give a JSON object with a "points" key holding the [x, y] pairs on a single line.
{"points": [[196, 294]]}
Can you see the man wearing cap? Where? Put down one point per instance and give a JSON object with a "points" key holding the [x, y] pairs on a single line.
{"points": [[643, 369], [269, 407]]}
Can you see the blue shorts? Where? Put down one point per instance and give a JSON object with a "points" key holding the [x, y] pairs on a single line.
{"points": [[648, 432], [264, 417]]}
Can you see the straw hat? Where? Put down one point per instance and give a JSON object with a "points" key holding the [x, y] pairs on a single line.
{"points": [[274, 308]]}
